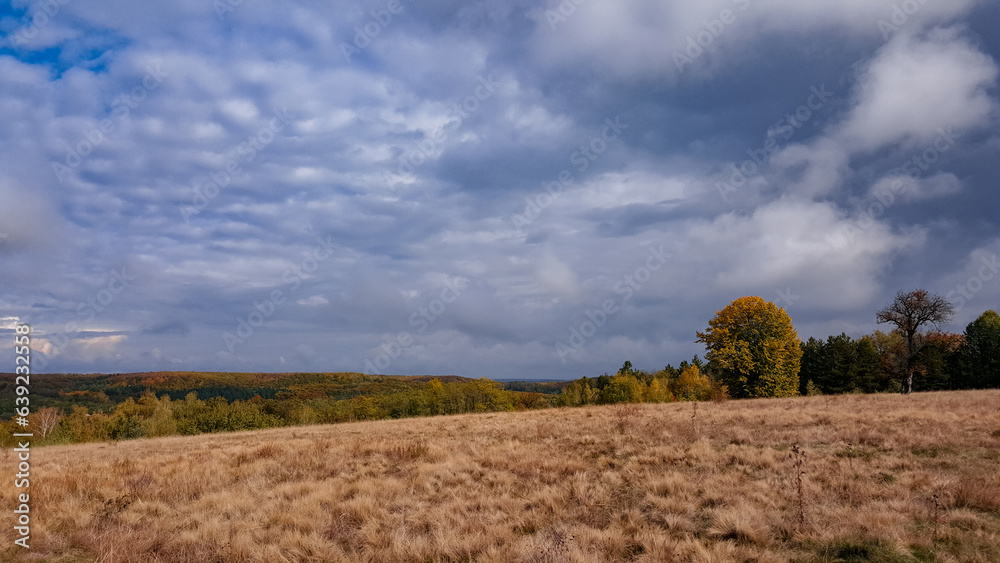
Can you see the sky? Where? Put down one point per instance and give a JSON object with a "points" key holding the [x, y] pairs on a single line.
{"points": [[487, 188]]}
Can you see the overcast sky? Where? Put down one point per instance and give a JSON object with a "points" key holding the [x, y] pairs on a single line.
{"points": [[491, 188]]}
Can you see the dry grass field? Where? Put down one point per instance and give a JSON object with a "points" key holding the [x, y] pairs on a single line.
{"points": [[883, 478]]}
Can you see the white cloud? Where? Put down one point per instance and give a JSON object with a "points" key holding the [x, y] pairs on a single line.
{"points": [[812, 170], [615, 189], [44, 346], [314, 301], [557, 278], [918, 84], [917, 91], [789, 243], [909, 189], [634, 38], [98, 347]]}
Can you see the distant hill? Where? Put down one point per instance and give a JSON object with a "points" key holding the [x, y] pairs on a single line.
{"points": [[103, 391]]}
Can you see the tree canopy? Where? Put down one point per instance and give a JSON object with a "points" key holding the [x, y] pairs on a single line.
{"points": [[909, 312], [754, 349], [981, 351]]}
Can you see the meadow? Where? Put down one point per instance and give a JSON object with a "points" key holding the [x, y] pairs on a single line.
{"points": [[887, 477]]}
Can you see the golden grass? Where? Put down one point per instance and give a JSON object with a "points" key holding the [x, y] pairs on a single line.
{"points": [[574, 485]]}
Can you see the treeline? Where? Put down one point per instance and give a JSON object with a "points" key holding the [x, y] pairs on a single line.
{"points": [[152, 416], [880, 362], [628, 385], [100, 392]]}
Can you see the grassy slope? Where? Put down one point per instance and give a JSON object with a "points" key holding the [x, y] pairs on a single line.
{"points": [[551, 485]]}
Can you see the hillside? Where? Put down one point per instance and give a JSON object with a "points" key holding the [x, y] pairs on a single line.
{"points": [[884, 478], [103, 391]]}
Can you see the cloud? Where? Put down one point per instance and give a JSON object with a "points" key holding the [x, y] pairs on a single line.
{"points": [[314, 301], [791, 243], [919, 84], [910, 189], [27, 222], [345, 168], [168, 327], [95, 348], [917, 92], [640, 41]]}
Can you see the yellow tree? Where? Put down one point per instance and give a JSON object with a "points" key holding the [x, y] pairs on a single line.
{"points": [[754, 349], [692, 385]]}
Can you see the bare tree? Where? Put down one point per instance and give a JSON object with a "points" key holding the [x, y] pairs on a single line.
{"points": [[909, 312], [47, 419]]}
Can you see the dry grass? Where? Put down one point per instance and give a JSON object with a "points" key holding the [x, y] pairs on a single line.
{"points": [[886, 478]]}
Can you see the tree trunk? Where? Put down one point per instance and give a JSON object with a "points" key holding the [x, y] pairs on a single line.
{"points": [[910, 356]]}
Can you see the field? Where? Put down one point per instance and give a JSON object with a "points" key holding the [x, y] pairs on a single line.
{"points": [[879, 478]]}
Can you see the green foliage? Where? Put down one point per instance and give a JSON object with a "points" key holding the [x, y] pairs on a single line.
{"points": [[578, 393], [126, 422], [622, 389], [546, 387], [937, 362], [980, 353], [878, 363], [840, 365], [812, 390], [868, 376], [811, 365]]}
